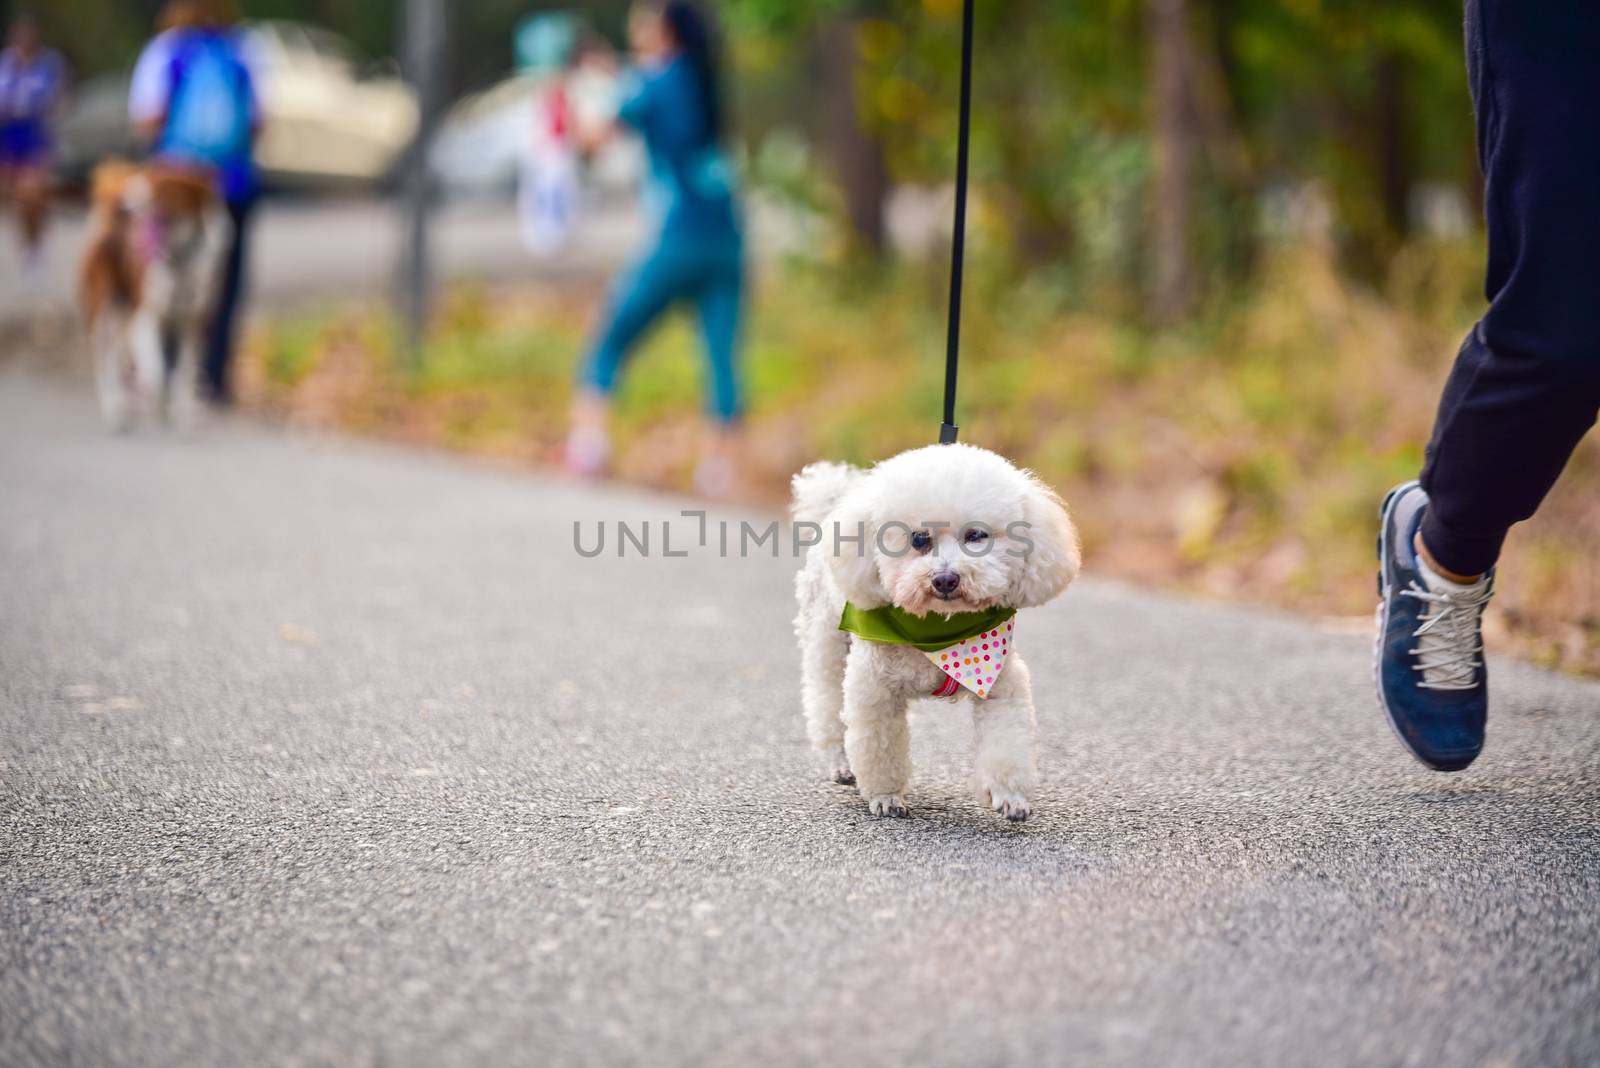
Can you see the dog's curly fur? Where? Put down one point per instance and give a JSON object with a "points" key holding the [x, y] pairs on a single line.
{"points": [[856, 692]]}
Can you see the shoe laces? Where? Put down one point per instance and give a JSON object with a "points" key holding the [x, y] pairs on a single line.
{"points": [[1449, 646]]}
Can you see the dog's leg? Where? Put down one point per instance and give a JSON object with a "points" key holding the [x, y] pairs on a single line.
{"points": [[823, 696], [823, 649], [1004, 725], [877, 738], [149, 362], [106, 336], [183, 397]]}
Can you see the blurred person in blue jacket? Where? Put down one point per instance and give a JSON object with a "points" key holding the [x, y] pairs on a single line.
{"points": [[673, 101], [32, 88], [193, 99]]}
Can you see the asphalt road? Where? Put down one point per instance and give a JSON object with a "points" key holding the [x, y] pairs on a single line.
{"points": [[318, 752]]}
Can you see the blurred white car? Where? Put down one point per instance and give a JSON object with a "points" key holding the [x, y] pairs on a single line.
{"points": [[479, 144], [330, 121]]}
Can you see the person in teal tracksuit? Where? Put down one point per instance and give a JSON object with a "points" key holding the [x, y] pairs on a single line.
{"points": [[674, 102]]}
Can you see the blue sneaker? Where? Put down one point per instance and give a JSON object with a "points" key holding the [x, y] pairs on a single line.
{"points": [[1432, 681]]}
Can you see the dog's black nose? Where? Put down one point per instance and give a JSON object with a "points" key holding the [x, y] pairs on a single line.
{"points": [[945, 582]]}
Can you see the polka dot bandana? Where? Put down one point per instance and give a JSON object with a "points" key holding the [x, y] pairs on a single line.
{"points": [[974, 663]]}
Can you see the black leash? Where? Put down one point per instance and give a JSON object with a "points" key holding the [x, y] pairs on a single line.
{"points": [[952, 351]]}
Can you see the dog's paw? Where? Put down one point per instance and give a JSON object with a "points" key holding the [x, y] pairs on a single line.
{"points": [[888, 805], [1009, 803], [839, 767], [118, 415]]}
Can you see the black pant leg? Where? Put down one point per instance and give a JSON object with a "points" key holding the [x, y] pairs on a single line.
{"points": [[1526, 384], [224, 319]]}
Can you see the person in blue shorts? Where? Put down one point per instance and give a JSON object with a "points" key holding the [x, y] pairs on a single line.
{"points": [[674, 102], [32, 87]]}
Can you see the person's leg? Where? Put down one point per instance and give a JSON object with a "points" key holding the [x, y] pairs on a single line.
{"points": [[225, 314], [32, 187], [1526, 384], [8, 195], [23, 185], [638, 299], [721, 306]]}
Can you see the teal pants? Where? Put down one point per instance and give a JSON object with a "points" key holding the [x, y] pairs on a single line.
{"points": [[709, 274]]}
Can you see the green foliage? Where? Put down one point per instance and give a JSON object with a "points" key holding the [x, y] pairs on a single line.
{"points": [[295, 347], [118, 31], [1364, 98]]}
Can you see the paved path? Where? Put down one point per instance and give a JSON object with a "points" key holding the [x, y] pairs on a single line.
{"points": [[315, 752]]}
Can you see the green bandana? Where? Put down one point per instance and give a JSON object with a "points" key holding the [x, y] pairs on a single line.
{"points": [[930, 633]]}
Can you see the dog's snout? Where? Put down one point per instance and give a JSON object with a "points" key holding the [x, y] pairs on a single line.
{"points": [[945, 582]]}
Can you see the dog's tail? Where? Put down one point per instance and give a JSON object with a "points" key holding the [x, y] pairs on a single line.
{"points": [[819, 486]]}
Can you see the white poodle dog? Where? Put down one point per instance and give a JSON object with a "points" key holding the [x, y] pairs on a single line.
{"points": [[908, 594]]}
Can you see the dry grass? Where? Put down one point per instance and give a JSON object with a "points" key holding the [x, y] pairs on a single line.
{"points": [[1243, 457]]}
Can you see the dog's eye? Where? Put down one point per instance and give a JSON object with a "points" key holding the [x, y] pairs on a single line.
{"points": [[921, 541], [974, 535]]}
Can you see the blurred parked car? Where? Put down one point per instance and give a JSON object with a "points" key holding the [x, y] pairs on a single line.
{"points": [[332, 121], [480, 142]]}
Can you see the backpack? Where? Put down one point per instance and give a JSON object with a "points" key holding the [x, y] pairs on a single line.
{"points": [[210, 111]]}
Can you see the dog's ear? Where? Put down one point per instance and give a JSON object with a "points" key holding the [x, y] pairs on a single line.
{"points": [[1052, 562], [850, 543]]}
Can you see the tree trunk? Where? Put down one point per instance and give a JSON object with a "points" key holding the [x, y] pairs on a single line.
{"points": [[1223, 144], [857, 155], [1172, 294], [1393, 147], [426, 41]]}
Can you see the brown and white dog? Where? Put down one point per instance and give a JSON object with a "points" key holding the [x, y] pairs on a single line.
{"points": [[147, 287]]}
